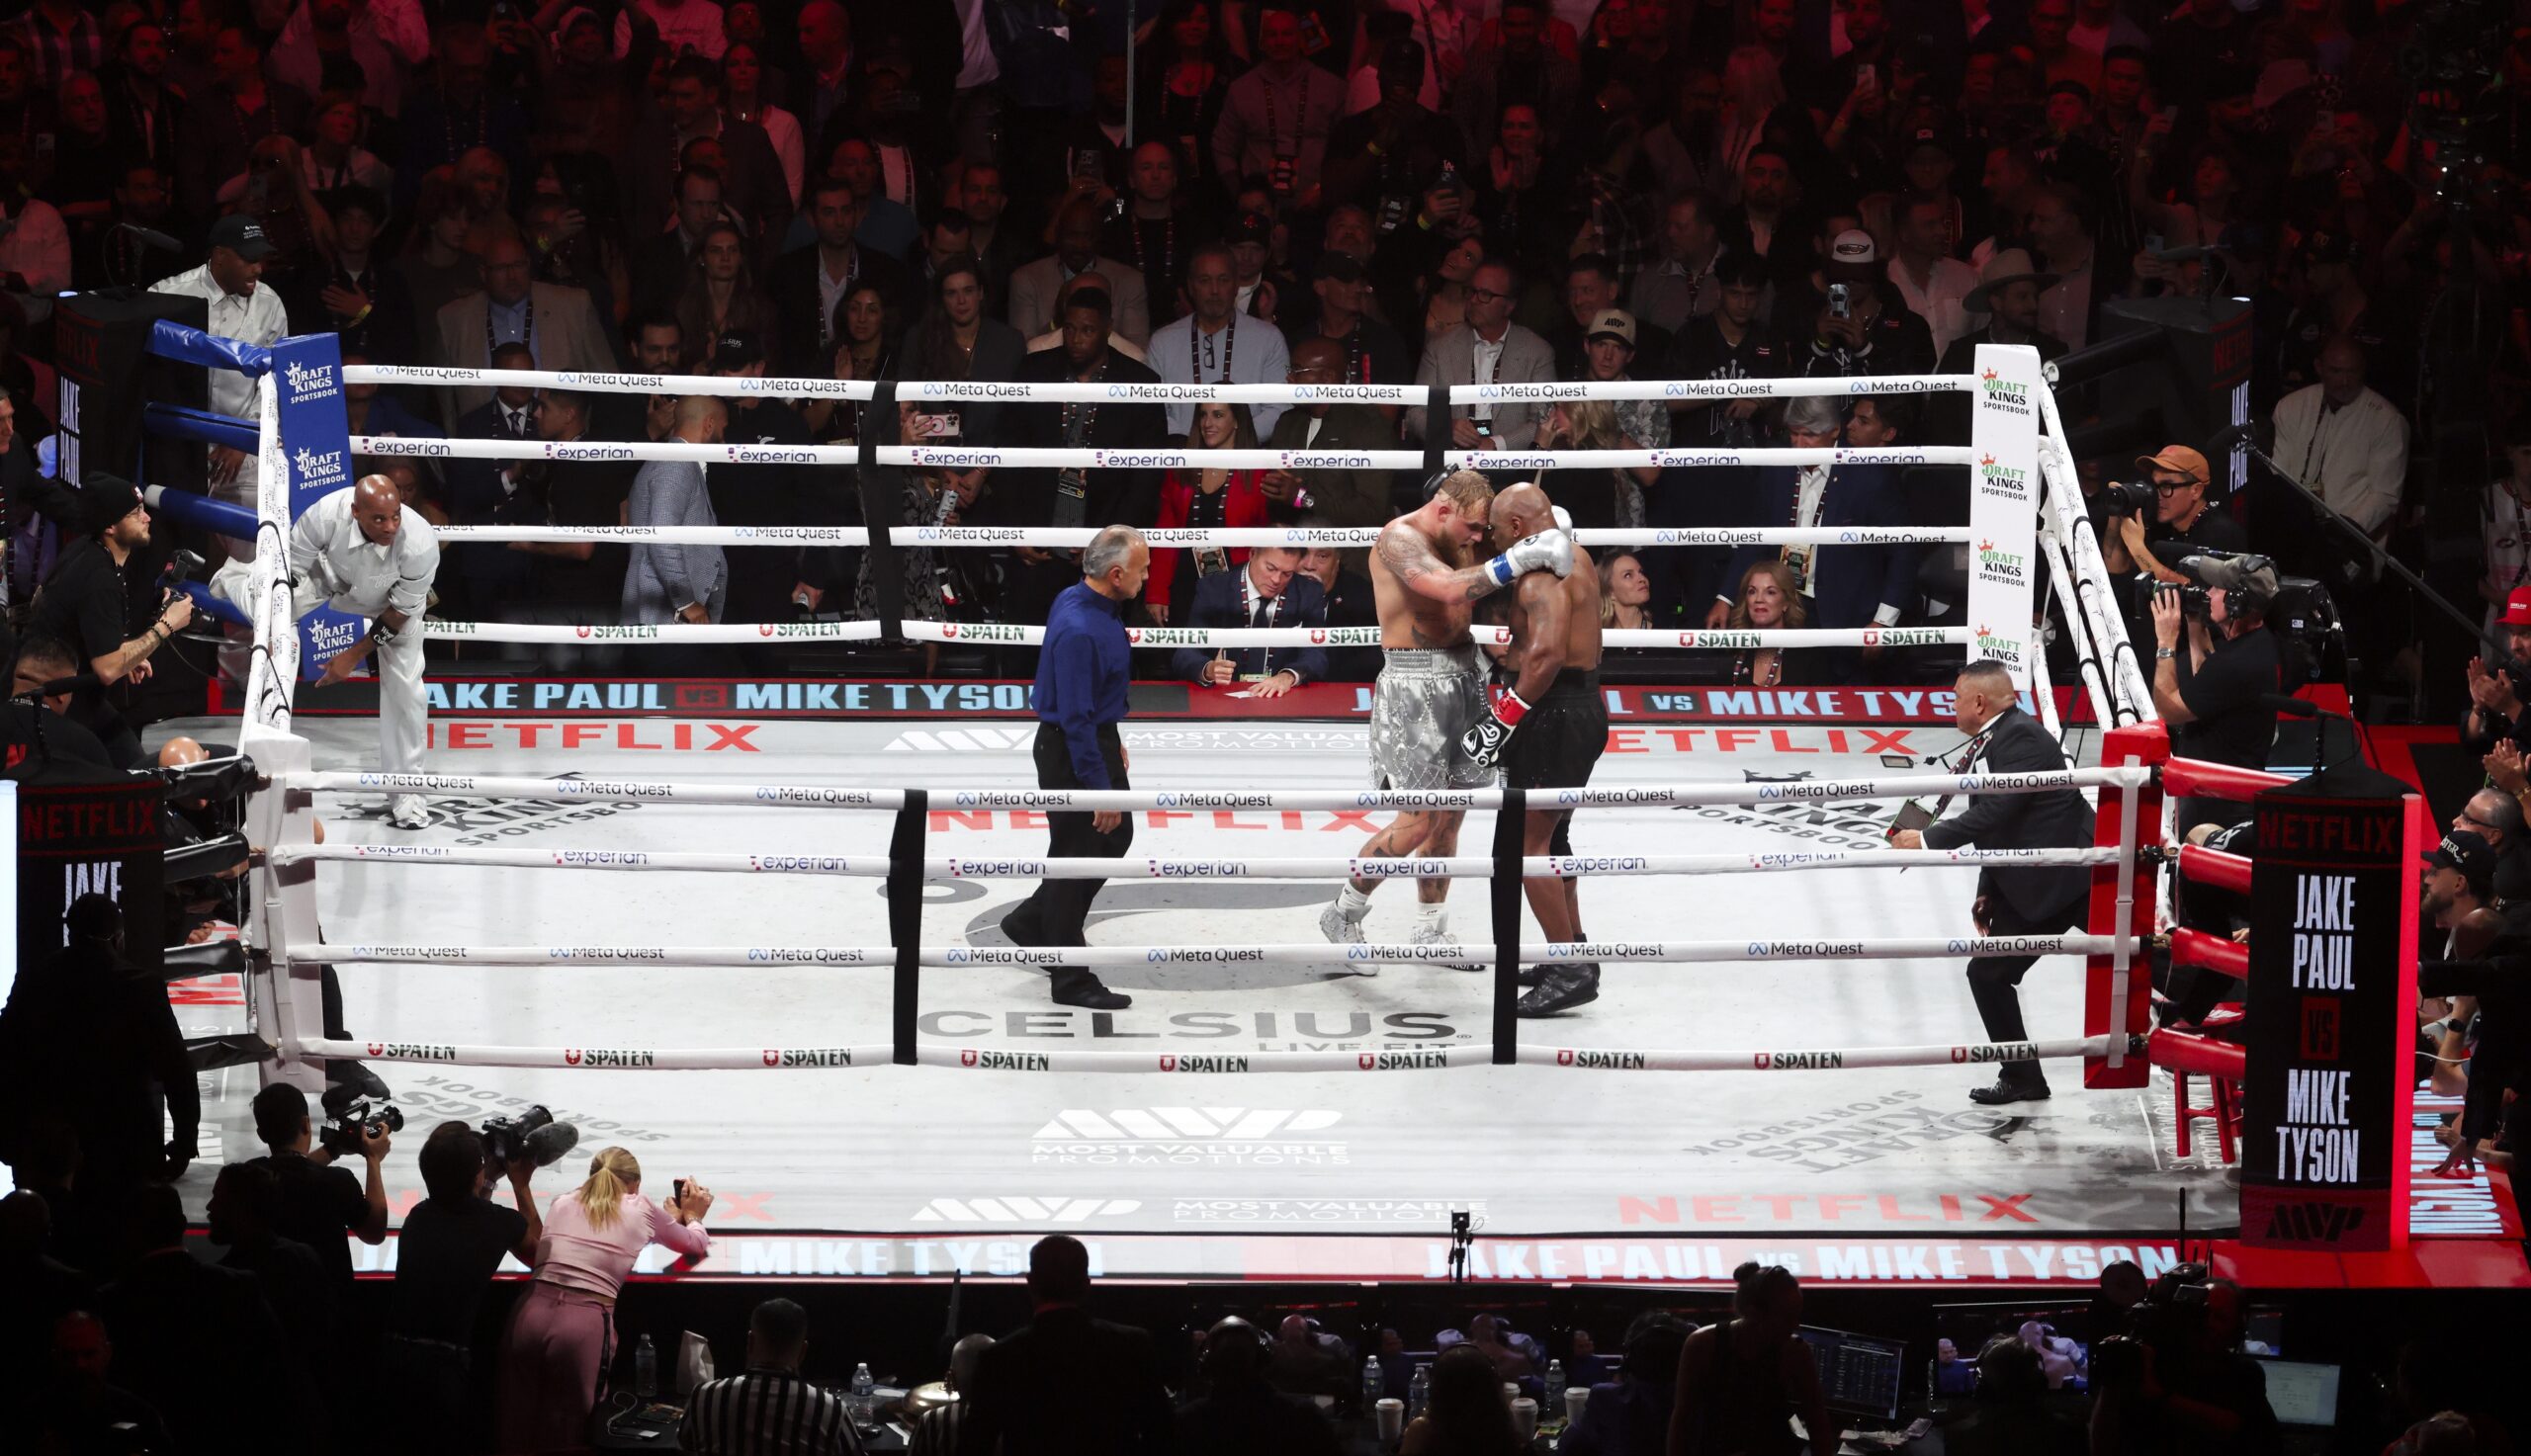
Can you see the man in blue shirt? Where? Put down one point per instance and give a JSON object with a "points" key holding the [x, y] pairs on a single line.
{"points": [[1083, 672]]}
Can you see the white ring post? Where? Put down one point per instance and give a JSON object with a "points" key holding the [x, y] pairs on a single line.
{"points": [[2003, 506]]}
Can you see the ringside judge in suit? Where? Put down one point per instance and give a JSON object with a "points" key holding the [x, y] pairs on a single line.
{"points": [[1269, 590], [2040, 900]]}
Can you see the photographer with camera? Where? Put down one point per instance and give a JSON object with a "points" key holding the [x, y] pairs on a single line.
{"points": [[89, 602], [452, 1243], [2210, 689], [2178, 1383], [324, 1206], [2173, 495]]}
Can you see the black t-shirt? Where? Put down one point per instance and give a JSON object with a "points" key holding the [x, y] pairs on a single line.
{"points": [[321, 1205], [1701, 352], [2231, 726], [445, 1256], [86, 603]]}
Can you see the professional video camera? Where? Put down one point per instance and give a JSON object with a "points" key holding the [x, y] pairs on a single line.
{"points": [[348, 1119], [532, 1134]]}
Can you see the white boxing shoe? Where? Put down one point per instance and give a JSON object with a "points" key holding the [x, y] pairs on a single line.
{"points": [[1346, 930]]}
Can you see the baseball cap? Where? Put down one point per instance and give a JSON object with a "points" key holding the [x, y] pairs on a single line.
{"points": [[243, 236], [1341, 266], [2249, 579], [1253, 227], [1930, 136], [1613, 324], [737, 348], [2466, 851], [2180, 457], [1853, 248], [2517, 608]]}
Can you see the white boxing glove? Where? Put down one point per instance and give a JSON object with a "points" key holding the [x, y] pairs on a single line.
{"points": [[1548, 551]]}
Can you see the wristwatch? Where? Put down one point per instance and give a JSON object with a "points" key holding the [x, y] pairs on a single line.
{"points": [[2164, 654]]}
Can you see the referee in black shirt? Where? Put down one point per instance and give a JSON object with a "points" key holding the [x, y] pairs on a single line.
{"points": [[87, 602], [770, 1410]]}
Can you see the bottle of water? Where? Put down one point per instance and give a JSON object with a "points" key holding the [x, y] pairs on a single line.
{"points": [[1554, 1388], [1419, 1391], [645, 1369], [1374, 1385], [863, 1394]]}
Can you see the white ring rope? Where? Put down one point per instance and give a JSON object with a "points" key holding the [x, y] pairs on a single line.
{"points": [[1065, 391], [1051, 457], [917, 630], [1098, 867], [1121, 957], [1249, 538], [1391, 1058], [827, 796]]}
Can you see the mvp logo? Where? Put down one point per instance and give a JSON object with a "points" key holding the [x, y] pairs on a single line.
{"points": [[2317, 1222]]}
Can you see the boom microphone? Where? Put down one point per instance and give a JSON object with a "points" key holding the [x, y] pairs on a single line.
{"points": [[548, 1143]]}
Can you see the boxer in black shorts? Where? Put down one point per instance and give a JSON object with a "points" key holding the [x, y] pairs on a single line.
{"points": [[1547, 727]]}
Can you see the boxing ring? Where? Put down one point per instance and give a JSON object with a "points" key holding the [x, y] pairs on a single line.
{"points": [[803, 933]]}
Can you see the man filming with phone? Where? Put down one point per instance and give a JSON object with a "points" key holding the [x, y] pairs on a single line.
{"points": [[2211, 688]]}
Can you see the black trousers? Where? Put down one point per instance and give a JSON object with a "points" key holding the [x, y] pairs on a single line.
{"points": [[1058, 912], [1995, 981]]}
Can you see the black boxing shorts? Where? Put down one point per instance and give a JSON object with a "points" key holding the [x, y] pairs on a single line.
{"points": [[1561, 737]]}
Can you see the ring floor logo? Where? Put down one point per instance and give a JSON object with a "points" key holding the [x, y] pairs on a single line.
{"points": [[1012, 1208], [1428, 1214], [1188, 1136], [482, 821]]}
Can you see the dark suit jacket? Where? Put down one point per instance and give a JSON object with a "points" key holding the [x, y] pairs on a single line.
{"points": [[1068, 1385], [2040, 896], [1216, 604], [999, 352], [753, 189], [1255, 1420], [1131, 497], [201, 1344], [1849, 581], [799, 307], [659, 266]]}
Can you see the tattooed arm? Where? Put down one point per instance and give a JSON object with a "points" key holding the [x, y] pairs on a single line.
{"points": [[1421, 570]]}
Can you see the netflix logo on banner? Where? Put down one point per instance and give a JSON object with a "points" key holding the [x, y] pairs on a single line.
{"points": [[2332, 973], [88, 839]]}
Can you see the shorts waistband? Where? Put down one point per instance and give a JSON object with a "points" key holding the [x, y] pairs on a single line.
{"points": [[1575, 682], [1430, 661]]}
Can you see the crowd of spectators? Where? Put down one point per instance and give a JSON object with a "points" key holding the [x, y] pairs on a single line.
{"points": [[1309, 190]]}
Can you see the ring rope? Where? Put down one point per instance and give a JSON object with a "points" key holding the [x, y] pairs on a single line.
{"points": [[1249, 537], [1099, 867], [1120, 957], [1067, 391], [1051, 457], [1392, 1059], [821, 796], [437, 629]]}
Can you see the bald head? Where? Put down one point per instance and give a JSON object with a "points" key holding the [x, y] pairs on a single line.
{"points": [[700, 419], [180, 753], [379, 507], [1321, 358], [1522, 509]]}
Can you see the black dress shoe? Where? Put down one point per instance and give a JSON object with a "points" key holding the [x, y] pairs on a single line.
{"points": [[1023, 932], [1092, 997], [2007, 1089], [1560, 988], [1528, 976], [346, 1072]]}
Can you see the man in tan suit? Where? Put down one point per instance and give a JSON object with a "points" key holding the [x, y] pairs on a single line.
{"points": [[558, 324], [1488, 349], [1036, 286]]}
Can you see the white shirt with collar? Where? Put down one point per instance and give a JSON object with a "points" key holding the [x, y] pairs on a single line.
{"points": [[337, 565], [2354, 456], [1256, 352], [1942, 302], [1486, 363], [256, 318]]}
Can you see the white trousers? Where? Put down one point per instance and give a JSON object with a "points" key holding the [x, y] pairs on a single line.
{"points": [[403, 710]]}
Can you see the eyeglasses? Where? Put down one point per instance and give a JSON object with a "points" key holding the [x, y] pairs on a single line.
{"points": [[1485, 294], [2172, 487]]}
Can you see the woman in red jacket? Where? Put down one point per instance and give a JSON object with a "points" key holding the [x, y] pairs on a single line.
{"points": [[1204, 498]]}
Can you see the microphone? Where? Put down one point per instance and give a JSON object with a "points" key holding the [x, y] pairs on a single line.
{"points": [[151, 236], [2293, 707], [548, 1143]]}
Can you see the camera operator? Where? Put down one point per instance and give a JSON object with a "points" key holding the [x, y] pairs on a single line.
{"points": [[322, 1206], [2209, 688], [2180, 1385], [87, 602], [451, 1244]]}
